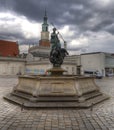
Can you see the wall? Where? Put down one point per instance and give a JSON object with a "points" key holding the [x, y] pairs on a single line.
{"points": [[40, 67], [36, 68], [11, 66]]}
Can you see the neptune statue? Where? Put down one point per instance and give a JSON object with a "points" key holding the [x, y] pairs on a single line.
{"points": [[57, 53]]}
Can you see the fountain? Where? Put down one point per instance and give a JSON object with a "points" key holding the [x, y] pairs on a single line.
{"points": [[56, 90]]}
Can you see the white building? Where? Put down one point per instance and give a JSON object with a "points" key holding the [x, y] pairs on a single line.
{"points": [[98, 61], [12, 66]]}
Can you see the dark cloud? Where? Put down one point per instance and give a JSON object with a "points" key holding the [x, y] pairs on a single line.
{"points": [[82, 16], [65, 12]]}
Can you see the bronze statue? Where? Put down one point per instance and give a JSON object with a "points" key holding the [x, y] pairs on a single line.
{"points": [[57, 53]]}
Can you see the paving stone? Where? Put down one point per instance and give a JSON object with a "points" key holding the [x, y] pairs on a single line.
{"points": [[101, 118]]}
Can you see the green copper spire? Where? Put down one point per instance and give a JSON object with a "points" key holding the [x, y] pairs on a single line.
{"points": [[45, 24], [45, 17]]}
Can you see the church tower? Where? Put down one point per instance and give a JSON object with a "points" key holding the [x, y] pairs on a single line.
{"points": [[45, 33]]}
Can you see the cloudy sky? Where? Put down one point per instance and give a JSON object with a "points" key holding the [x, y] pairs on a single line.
{"points": [[86, 25]]}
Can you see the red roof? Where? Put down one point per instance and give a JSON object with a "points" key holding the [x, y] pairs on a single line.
{"points": [[8, 48]]}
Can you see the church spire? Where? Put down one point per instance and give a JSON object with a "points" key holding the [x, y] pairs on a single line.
{"points": [[45, 24], [45, 17]]}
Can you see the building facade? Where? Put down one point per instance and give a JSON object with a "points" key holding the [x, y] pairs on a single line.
{"points": [[12, 66], [98, 61], [9, 48], [74, 65], [41, 66]]}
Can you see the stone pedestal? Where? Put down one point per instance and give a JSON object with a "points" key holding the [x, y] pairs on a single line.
{"points": [[56, 71]]}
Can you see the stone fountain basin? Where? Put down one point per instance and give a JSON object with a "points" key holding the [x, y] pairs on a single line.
{"points": [[56, 92], [56, 85]]}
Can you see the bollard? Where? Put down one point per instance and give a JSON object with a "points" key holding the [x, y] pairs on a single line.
{"points": [[22, 106], [91, 108]]}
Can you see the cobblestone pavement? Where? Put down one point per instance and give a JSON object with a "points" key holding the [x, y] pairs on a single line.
{"points": [[100, 118]]}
